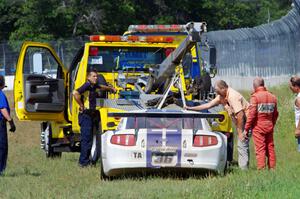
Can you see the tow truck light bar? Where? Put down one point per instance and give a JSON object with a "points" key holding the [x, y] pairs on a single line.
{"points": [[118, 38], [199, 26], [157, 28]]}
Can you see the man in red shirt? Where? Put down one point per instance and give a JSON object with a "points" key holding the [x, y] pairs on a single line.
{"points": [[262, 119]]}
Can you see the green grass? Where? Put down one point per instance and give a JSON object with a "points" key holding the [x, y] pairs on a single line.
{"points": [[30, 174]]}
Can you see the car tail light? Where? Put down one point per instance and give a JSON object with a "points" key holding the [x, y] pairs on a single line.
{"points": [[124, 140], [204, 140]]}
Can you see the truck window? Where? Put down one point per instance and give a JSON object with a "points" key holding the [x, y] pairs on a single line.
{"points": [[40, 61], [108, 59]]}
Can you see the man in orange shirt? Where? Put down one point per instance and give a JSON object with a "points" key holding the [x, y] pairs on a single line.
{"points": [[236, 106], [262, 119]]}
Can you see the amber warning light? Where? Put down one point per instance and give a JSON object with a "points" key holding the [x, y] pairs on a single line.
{"points": [[118, 38]]}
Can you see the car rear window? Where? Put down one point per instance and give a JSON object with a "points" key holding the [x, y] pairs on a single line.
{"points": [[163, 122]]}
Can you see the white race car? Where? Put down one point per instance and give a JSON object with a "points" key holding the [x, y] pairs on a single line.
{"points": [[156, 139]]}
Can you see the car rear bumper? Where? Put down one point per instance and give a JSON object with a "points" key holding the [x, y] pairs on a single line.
{"points": [[117, 161]]}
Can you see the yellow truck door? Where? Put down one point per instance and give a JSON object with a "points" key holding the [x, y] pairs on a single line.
{"points": [[40, 84]]}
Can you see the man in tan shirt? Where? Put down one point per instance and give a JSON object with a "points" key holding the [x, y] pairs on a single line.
{"points": [[237, 107]]}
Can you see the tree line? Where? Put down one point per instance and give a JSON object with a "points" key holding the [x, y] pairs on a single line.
{"points": [[46, 20]]}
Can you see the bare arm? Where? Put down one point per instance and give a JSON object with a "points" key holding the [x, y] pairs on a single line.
{"points": [[5, 114], [208, 105], [240, 124], [107, 88]]}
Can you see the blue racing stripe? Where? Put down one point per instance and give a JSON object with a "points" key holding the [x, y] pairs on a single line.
{"points": [[155, 140], [174, 140]]}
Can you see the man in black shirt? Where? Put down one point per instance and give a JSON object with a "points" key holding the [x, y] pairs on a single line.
{"points": [[88, 117]]}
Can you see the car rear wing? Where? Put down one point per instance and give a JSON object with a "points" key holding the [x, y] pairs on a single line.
{"points": [[168, 115]]}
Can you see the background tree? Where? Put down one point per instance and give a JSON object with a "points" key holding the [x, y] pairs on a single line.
{"points": [[45, 20], [10, 12]]}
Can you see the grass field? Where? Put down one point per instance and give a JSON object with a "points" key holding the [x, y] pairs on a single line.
{"points": [[30, 175]]}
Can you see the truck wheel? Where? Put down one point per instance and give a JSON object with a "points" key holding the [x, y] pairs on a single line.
{"points": [[96, 147], [46, 141]]}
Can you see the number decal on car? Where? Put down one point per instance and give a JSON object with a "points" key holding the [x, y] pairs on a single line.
{"points": [[164, 159]]}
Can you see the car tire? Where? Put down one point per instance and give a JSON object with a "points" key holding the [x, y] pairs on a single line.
{"points": [[47, 141], [96, 146]]}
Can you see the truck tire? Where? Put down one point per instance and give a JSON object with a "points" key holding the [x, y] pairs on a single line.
{"points": [[96, 147], [47, 141]]}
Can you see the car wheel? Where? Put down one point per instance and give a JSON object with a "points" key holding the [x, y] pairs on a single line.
{"points": [[47, 140], [96, 146]]}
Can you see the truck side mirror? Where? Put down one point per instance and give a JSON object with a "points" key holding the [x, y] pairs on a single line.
{"points": [[37, 63], [212, 60], [212, 56]]}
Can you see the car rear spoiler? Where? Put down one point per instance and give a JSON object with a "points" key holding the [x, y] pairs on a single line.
{"points": [[168, 115]]}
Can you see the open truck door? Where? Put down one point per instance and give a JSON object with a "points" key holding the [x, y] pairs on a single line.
{"points": [[40, 84]]}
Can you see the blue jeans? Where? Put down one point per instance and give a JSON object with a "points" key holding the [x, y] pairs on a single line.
{"points": [[3, 146], [86, 131]]}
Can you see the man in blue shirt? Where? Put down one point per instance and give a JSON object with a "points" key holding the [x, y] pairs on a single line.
{"points": [[4, 117], [88, 116]]}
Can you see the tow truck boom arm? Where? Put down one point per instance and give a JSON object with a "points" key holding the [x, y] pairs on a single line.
{"points": [[166, 69]]}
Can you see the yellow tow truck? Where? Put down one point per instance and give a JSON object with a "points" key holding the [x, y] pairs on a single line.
{"points": [[43, 85]]}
